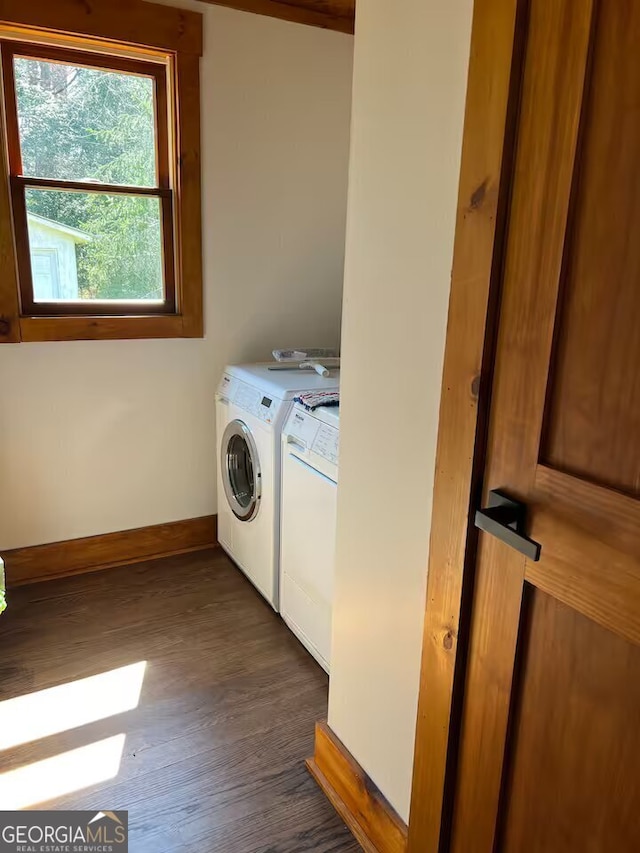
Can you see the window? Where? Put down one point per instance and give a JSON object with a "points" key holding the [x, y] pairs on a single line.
{"points": [[102, 181], [88, 149]]}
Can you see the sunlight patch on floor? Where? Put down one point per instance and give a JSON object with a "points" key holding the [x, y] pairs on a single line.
{"points": [[71, 705], [62, 774]]}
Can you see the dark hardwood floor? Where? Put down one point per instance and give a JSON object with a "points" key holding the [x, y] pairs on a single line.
{"points": [[213, 753]]}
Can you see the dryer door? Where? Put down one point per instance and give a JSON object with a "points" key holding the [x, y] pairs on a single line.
{"points": [[240, 469]]}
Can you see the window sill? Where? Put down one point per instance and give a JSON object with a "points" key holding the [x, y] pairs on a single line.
{"points": [[88, 328]]}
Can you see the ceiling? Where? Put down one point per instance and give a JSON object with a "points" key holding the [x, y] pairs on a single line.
{"points": [[330, 14]]}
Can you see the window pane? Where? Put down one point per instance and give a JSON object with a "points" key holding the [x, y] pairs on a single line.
{"points": [[92, 246], [81, 124]]}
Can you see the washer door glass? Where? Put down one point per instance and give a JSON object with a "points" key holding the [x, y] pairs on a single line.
{"points": [[240, 470]]}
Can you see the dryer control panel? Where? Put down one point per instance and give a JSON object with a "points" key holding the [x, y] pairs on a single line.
{"points": [[310, 434], [326, 443], [248, 398]]}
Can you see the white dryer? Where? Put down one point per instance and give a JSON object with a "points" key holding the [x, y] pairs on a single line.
{"points": [[252, 404], [308, 526]]}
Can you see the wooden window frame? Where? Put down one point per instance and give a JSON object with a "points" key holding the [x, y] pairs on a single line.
{"points": [[159, 42]]}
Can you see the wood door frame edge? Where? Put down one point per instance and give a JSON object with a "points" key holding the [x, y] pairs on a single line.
{"points": [[488, 151]]}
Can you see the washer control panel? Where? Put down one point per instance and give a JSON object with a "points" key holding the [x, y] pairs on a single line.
{"points": [[248, 398]]}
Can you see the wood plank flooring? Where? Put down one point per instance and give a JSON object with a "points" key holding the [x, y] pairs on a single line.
{"points": [[213, 753]]}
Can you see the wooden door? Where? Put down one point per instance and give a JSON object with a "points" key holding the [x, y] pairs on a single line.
{"points": [[549, 743]]}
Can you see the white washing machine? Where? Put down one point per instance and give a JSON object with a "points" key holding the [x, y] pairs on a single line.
{"points": [[252, 404], [308, 526]]}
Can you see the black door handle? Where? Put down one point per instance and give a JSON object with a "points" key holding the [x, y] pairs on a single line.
{"points": [[505, 518]]}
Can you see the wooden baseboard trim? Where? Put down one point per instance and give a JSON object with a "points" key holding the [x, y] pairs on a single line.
{"points": [[373, 822], [93, 553]]}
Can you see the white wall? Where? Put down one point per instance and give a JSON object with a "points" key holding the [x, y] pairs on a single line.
{"points": [[110, 435], [410, 69]]}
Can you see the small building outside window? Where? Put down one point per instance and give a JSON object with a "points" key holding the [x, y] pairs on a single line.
{"points": [[54, 262]]}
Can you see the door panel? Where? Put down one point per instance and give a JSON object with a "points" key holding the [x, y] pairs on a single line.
{"points": [[595, 392], [574, 773], [592, 549], [549, 745], [552, 93]]}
